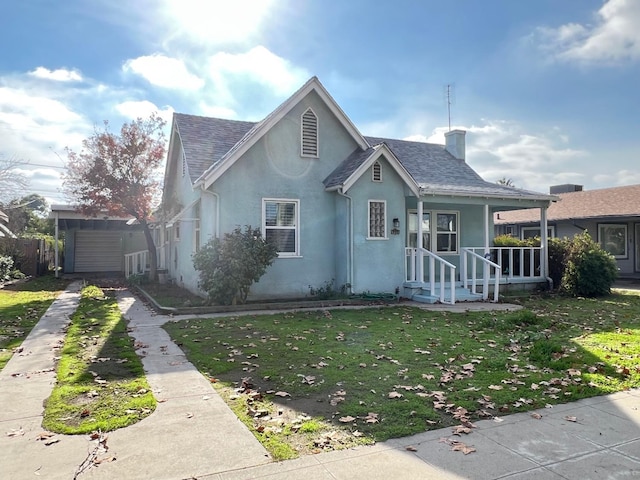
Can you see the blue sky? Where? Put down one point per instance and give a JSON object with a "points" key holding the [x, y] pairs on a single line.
{"points": [[547, 90]]}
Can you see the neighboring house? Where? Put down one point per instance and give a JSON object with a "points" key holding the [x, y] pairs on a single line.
{"points": [[340, 206], [610, 215], [4, 226], [95, 244]]}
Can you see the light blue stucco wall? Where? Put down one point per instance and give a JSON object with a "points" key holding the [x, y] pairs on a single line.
{"points": [[274, 168], [378, 264]]}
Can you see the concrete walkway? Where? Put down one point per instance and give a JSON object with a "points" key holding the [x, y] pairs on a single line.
{"points": [[193, 434]]}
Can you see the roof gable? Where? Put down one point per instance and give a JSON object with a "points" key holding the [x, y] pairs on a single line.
{"points": [[259, 129], [356, 164]]}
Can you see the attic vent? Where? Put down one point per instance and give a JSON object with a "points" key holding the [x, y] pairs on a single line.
{"points": [[376, 174], [184, 166], [309, 134]]}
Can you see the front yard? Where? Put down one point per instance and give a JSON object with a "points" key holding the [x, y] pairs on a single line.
{"points": [[312, 381]]}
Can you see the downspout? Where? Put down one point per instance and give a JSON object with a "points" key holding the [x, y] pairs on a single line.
{"points": [[56, 263], [350, 239]]}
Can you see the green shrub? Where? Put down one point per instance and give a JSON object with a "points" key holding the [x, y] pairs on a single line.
{"points": [[506, 240], [229, 266], [590, 271], [558, 251], [6, 266]]}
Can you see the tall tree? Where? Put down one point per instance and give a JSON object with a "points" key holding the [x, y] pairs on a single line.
{"points": [[119, 174], [11, 180], [28, 215]]}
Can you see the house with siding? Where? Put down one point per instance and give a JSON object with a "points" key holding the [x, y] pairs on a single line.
{"points": [[610, 215], [372, 214]]}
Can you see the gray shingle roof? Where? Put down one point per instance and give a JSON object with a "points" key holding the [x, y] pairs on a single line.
{"points": [[206, 140], [606, 202], [432, 167]]}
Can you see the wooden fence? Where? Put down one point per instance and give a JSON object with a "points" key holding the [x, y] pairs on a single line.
{"points": [[32, 256]]}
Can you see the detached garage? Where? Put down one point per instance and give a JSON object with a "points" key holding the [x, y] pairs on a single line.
{"points": [[95, 245]]}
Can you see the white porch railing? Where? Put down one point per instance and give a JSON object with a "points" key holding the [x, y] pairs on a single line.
{"points": [[469, 257], [415, 272], [516, 263], [136, 263]]}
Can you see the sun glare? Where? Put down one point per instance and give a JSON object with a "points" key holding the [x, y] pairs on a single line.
{"points": [[219, 21]]}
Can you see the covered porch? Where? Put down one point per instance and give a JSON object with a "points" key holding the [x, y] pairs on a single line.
{"points": [[450, 255]]}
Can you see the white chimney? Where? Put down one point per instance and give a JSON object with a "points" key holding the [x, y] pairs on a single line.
{"points": [[454, 143]]}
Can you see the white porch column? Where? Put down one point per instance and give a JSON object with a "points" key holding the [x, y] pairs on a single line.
{"points": [[486, 228], [420, 269], [544, 242], [56, 247]]}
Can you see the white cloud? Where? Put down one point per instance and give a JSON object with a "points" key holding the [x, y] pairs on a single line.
{"points": [[215, 22], [163, 71], [613, 38], [533, 160], [59, 75], [258, 65], [143, 109]]}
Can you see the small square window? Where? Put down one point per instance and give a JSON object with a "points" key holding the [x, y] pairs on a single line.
{"points": [[377, 219], [613, 238]]}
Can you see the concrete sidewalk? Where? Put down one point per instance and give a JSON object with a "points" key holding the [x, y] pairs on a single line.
{"points": [[194, 435]]}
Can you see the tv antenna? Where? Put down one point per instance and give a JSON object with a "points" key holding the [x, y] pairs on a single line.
{"points": [[449, 93]]}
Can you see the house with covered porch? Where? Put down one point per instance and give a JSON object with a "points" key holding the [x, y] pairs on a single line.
{"points": [[371, 214]]}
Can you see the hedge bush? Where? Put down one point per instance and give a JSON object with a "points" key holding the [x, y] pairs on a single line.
{"points": [[590, 271], [6, 267], [229, 266]]}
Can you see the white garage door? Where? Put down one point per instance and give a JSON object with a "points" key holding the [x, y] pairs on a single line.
{"points": [[98, 251]]}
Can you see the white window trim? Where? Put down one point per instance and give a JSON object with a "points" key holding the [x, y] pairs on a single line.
{"points": [[626, 238], [176, 231], [433, 214], [306, 155], [551, 231], [295, 201], [373, 172], [369, 237]]}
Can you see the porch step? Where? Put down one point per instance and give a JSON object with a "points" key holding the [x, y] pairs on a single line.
{"points": [[462, 295]]}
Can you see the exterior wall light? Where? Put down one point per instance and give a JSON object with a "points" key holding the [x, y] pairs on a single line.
{"points": [[396, 227]]}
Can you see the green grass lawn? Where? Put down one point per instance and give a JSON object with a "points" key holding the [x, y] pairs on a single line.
{"points": [[21, 306], [100, 379], [306, 382]]}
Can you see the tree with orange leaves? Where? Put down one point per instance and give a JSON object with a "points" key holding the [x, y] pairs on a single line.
{"points": [[118, 174]]}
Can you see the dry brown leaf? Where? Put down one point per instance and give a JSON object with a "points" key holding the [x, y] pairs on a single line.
{"points": [[347, 419], [536, 415], [571, 418], [15, 432], [495, 387], [395, 395], [282, 394], [410, 448]]}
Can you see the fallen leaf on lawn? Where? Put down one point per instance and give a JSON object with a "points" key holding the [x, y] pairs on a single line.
{"points": [[347, 419], [411, 448], [571, 418], [394, 395], [356, 433], [494, 387], [460, 429]]}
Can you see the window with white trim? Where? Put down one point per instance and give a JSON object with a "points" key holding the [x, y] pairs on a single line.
{"points": [[444, 239], [377, 219], [376, 172], [613, 238], [196, 227], [280, 225], [309, 134]]}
